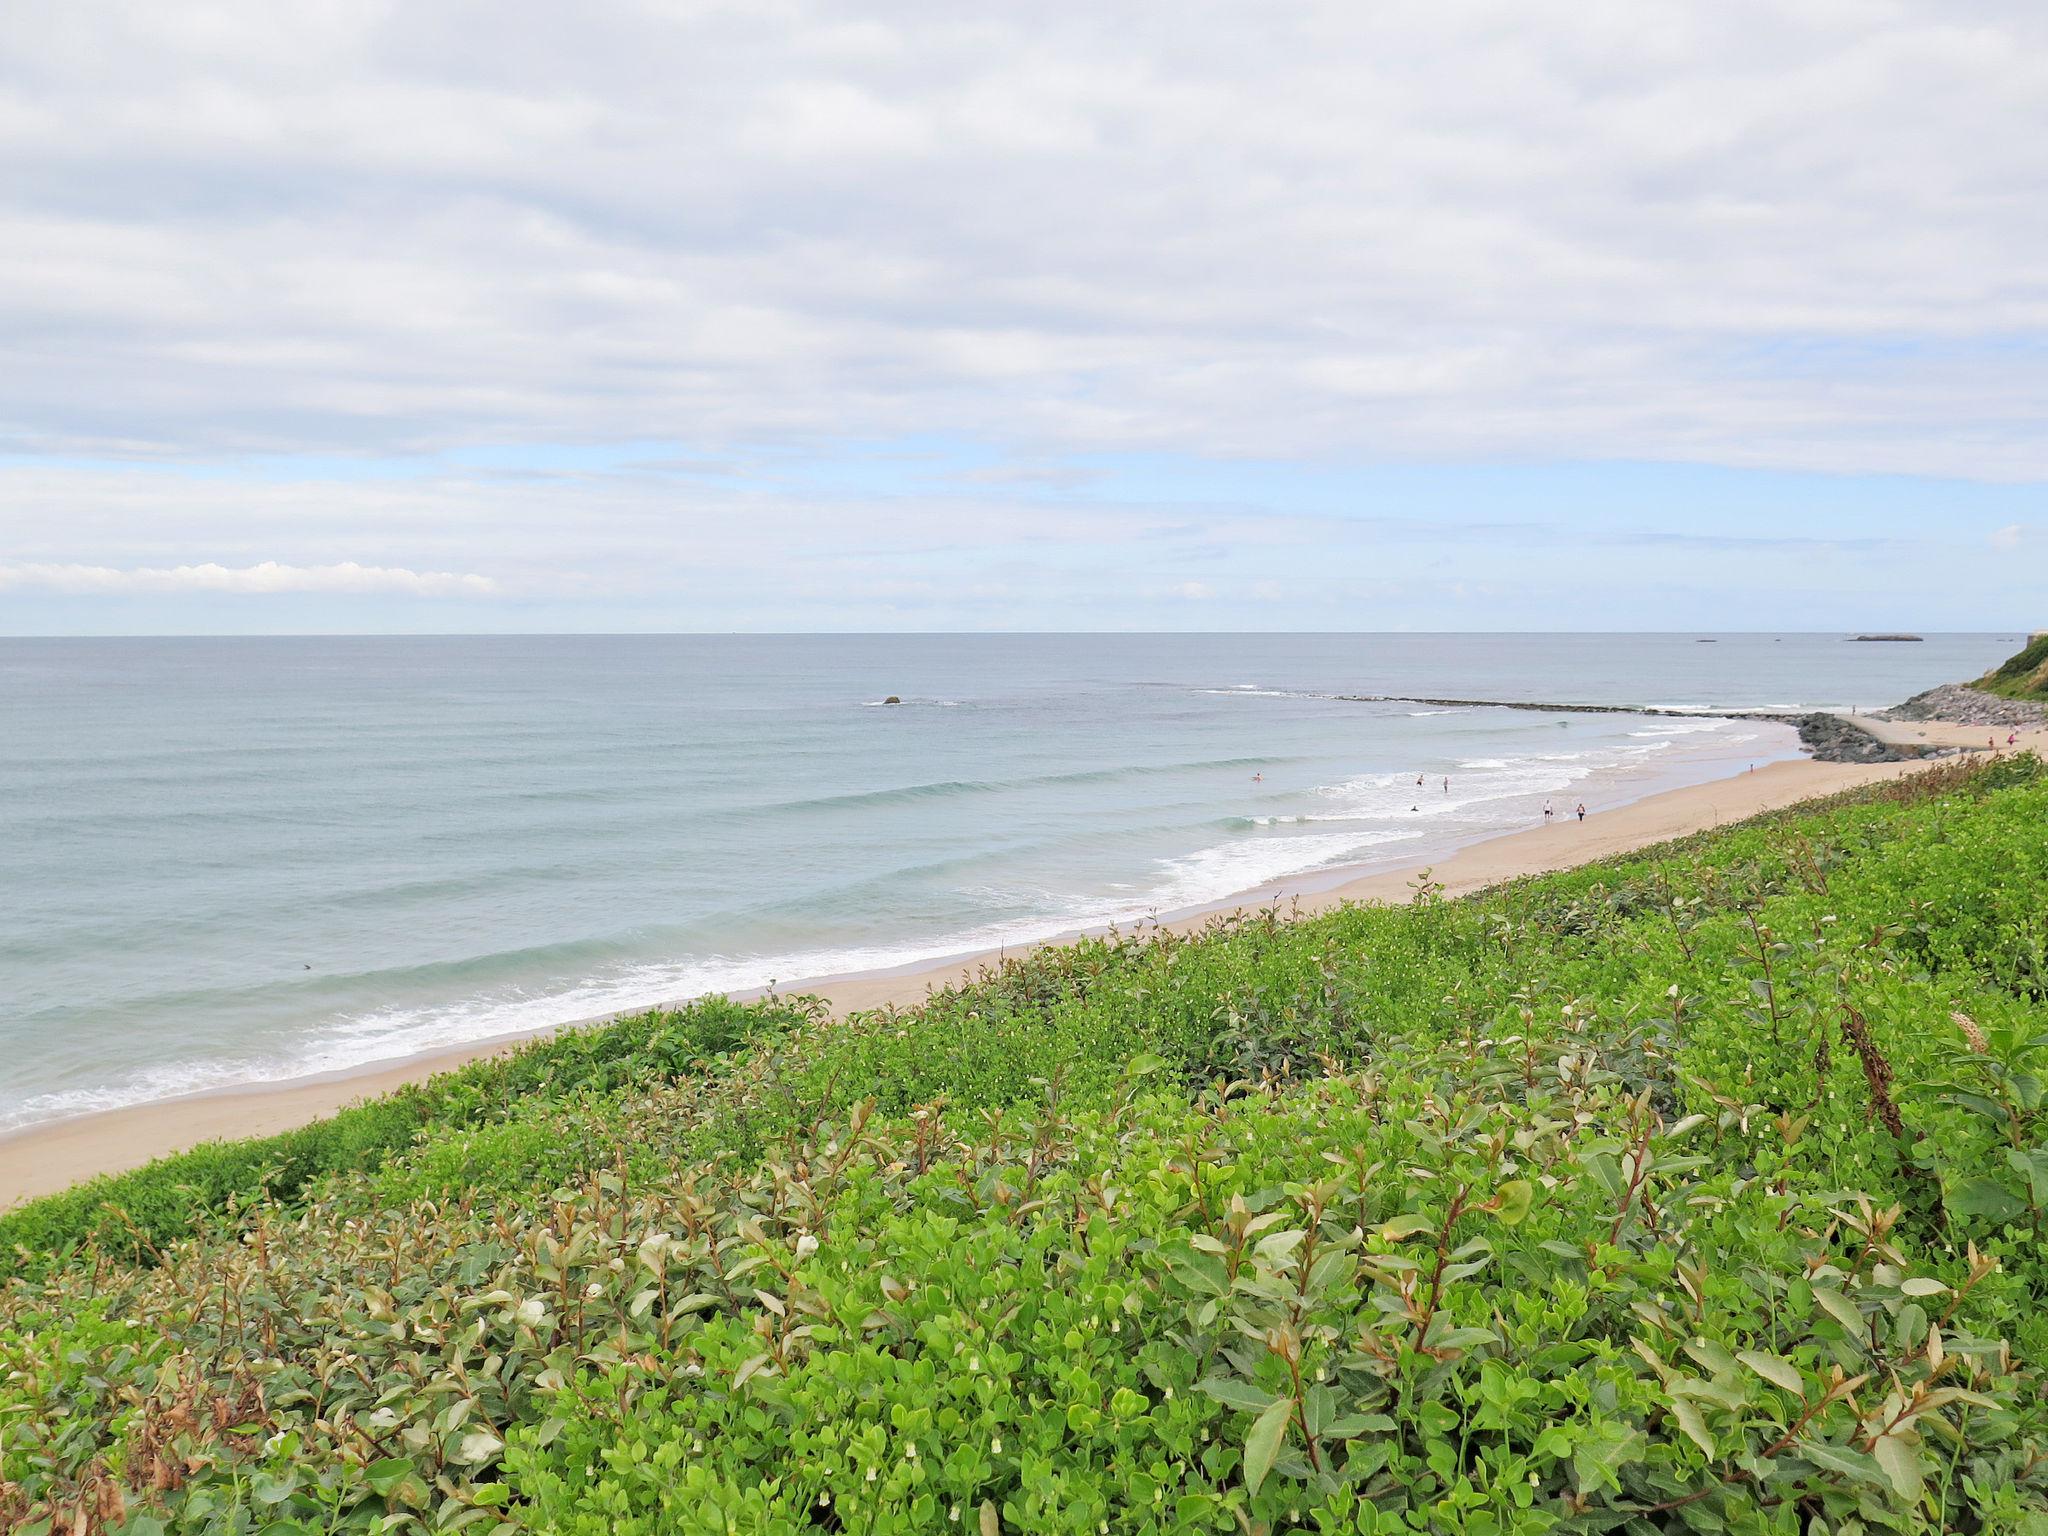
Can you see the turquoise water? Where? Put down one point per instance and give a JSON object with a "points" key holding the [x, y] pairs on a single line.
{"points": [[242, 860]]}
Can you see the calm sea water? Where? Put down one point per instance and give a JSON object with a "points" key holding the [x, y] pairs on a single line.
{"points": [[240, 860]]}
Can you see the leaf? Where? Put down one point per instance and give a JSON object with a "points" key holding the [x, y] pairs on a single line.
{"points": [[2033, 1167], [1144, 1064], [387, 1474], [274, 1490], [1352, 1425], [1202, 1273], [1262, 1443], [1236, 1393], [991, 1522], [1404, 1227], [1920, 1285], [1841, 1309], [1901, 1463], [453, 1415], [1515, 1196], [1841, 1460], [1986, 1198], [1694, 1423], [478, 1445], [1775, 1369], [1603, 1167], [1276, 1247]]}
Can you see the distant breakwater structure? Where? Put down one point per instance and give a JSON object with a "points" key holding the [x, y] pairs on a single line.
{"points": [[1828, 737]]}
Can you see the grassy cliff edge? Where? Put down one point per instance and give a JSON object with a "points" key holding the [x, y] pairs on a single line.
{"points": [[2022, 676]]}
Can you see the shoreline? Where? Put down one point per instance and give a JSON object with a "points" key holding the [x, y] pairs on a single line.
{"points": [[48, 1157]]}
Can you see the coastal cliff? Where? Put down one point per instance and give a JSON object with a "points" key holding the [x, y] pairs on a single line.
{"points": [[2013, 694]]}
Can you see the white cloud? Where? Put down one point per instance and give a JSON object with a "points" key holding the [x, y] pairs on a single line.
{"points": [[1195, 591], [2008, 537], [1637, 229], [265, 578]]}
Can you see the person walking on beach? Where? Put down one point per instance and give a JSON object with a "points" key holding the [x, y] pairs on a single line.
{"points": [[1547, 811], [1447, 784], [1582, 810]]}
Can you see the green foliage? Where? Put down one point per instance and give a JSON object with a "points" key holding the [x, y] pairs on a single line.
{"points": [[137, 1214], [2022, 676], [1698, 1191]]}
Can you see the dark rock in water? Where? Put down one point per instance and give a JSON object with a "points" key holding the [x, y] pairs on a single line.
{"points": [[1959, 704], [1893, 639], [1831, 739], [892, 699]]}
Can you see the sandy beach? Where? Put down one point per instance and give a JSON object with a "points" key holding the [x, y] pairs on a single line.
{"points": [[41, 1159]]}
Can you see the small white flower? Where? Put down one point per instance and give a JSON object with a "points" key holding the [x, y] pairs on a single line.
{"points": [[910, 1449], [871, 1474], [995, 1446], [593, 1290]]}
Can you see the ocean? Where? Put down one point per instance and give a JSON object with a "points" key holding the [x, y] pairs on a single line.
{"points": [[231, 861]]}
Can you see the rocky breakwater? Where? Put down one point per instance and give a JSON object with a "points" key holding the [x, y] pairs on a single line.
{"points": [[1832, 739], [1960, 704], [1828, 738]]}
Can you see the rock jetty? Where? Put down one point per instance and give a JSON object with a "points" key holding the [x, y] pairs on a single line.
{"points": [[1829, 738], [1960, 704]]}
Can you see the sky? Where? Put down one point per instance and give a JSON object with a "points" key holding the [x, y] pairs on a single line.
{"points": [[340, 316]]}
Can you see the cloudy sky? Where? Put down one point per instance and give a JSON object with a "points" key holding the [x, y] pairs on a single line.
{"points": [[338, 315]]}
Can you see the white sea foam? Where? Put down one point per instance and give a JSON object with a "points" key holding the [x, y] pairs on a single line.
{"points": [[1682, 728], [1211, 874]]}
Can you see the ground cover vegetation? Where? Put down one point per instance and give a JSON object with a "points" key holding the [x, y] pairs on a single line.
{"points": [[1703, 1190], [2023, 675]]}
